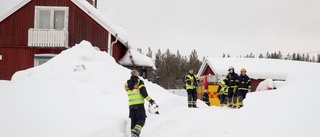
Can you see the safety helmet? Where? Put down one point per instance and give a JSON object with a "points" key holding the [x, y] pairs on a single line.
{"points": [[243, 70], [153, 109], [231, 67]]}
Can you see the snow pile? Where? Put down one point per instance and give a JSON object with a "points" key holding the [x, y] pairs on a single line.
{"points": [[267, 84], [79, 93], [289, 111]]}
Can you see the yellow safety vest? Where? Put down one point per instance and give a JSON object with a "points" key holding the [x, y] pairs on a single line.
{"points": [[134, 95], [191, 86], [223, 90]]}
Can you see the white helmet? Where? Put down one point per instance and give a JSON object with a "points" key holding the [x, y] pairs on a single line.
{"points": [[231, 67], [153, 109]]}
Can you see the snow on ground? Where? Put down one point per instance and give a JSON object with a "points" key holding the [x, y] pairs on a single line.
{"points": [[79, 93]]}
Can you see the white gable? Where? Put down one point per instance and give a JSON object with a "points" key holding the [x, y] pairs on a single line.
{"points": [[260, 68], [9, 7]]}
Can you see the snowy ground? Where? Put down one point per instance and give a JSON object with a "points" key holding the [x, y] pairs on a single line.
{"points": [[61, 98]]}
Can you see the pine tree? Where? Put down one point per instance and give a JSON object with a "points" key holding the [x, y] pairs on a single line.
{"points": [[194, 62], [279, 56], [303, 57], [288, 57], [228, 55], [307, 58], [224, 55], [274, 55], [294, 56], [151, 74], [298, 56], [267, 55], [159, 66], [139, 50], [251, 55], [260, 56], [313, 59], [318, 58], [149, 54]]}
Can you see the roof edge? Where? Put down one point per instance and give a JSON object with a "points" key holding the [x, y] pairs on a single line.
{"points": [[99, 21], [13, 10]]}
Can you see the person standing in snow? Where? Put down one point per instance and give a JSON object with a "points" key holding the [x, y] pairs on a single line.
{"points": [[136, 94], [191, 87], [223, 92], [232, 78], [244, 85]]}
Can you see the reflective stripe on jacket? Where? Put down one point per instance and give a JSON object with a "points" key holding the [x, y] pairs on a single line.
{"points": [[134, 95], [244, 82], [188, 78], [224, 88]]}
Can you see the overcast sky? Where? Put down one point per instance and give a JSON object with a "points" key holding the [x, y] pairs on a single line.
{"points": [[214, 27]]}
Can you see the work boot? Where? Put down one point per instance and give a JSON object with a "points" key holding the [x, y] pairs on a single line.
{"points": [[234, 106], [135, 133], [240, 106]]}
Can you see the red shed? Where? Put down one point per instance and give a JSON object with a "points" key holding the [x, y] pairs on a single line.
{"points": [[35, 30]]}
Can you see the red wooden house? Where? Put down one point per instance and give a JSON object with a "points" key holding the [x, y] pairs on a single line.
{"points": [[36, 30]]}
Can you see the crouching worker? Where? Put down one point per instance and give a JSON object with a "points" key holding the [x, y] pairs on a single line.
{"points": [[136, 94], [223, 92], [205, 98]]}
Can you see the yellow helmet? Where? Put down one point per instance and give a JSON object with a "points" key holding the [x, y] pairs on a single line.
{"points": [[243, 70]]}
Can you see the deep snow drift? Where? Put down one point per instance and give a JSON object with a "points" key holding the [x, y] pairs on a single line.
{"points": [[79, 93]]}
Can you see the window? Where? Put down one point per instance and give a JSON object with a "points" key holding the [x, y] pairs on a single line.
{"points": [[40, 59], [49, 17]]}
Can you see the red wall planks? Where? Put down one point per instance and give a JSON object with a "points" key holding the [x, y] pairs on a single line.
{"points": [[14, 36]]}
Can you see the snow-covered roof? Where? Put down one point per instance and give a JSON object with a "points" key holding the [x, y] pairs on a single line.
{"points": [[83, 5], [258, 68], [138, 58]]}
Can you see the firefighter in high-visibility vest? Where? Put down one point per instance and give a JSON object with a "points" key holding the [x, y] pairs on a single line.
{"points": [[244, 85], [136, 94], [232, 78], [191, 87], [223, 92]]}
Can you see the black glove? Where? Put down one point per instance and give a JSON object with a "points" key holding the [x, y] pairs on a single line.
{"points": [[152, 102], [195, 84]]}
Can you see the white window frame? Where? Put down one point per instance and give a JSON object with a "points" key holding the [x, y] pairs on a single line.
{"points": [[51, 9], [42, 57]]}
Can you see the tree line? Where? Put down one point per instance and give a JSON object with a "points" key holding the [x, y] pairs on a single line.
{"points": [[278, 55], [172, 67]]}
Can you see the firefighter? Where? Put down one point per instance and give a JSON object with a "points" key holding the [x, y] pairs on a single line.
{"points": [[223, 92], [136, 94], [205, 98], [232, 78], [244, 85], [191, 87]]}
